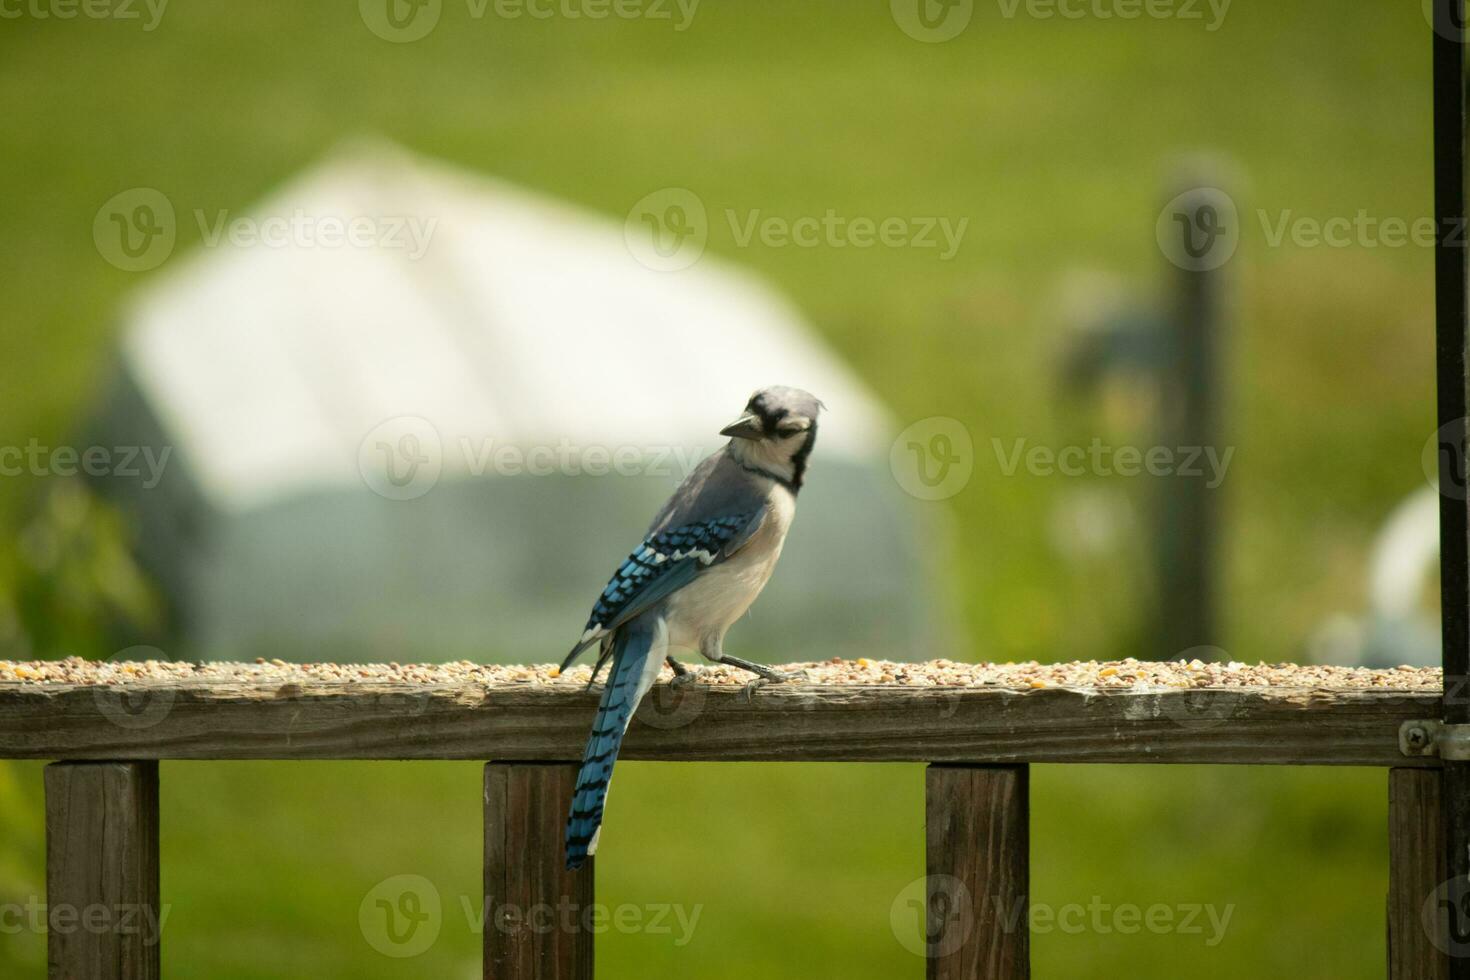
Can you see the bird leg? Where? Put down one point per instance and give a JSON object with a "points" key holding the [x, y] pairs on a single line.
{"points": [[682, 675], [712, 650], [761, 671], [763, 675]]}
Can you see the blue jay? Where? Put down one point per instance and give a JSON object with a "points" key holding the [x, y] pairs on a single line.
{"points": [[705, 558]]}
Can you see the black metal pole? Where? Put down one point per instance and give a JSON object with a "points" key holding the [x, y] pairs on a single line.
{"points": [[1450, 346]]}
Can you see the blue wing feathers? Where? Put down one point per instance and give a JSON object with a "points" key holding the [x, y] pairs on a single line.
{"points": [[657, 557], [664, 563]]}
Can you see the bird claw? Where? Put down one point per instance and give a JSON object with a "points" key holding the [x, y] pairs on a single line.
{"points": [[747, 693], [686, 676]]}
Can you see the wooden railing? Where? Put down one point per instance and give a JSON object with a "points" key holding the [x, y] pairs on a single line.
{"points": [[102, 793]]}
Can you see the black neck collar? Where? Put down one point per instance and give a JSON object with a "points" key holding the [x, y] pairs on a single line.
{"points": [[798, 465]]}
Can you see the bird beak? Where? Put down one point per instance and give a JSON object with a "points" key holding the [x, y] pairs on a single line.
{"points": [[747, 426]]}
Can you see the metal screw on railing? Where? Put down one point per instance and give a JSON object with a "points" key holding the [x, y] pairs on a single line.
{"points": [[1417, 738]]}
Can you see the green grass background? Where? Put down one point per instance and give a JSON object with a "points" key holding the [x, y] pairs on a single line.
{"points": [[1054, 137]]}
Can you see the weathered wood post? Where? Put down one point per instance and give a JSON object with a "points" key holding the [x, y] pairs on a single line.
{"points": [[1450, 345], [103, 914], [538, 915], [1416, 923], [977, 824]]}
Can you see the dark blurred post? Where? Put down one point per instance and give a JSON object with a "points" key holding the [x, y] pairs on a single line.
{"points": [[1454, 548], [1186, 535]]}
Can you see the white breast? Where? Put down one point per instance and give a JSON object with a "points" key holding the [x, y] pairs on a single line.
{"points": [[722, 594]]}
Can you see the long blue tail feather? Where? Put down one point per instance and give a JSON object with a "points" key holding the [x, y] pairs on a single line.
{"points": [[632, 646]]}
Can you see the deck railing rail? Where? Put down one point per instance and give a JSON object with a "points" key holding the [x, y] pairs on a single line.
{"points": [[977, 739]]}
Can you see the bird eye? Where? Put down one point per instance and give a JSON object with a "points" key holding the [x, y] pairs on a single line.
{"points": [[789, 428]]}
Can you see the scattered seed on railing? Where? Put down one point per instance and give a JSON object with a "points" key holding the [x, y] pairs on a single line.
{"points": [[1029, 675]]}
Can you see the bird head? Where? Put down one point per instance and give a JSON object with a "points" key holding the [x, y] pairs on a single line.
{"points": [[776, 432]]}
